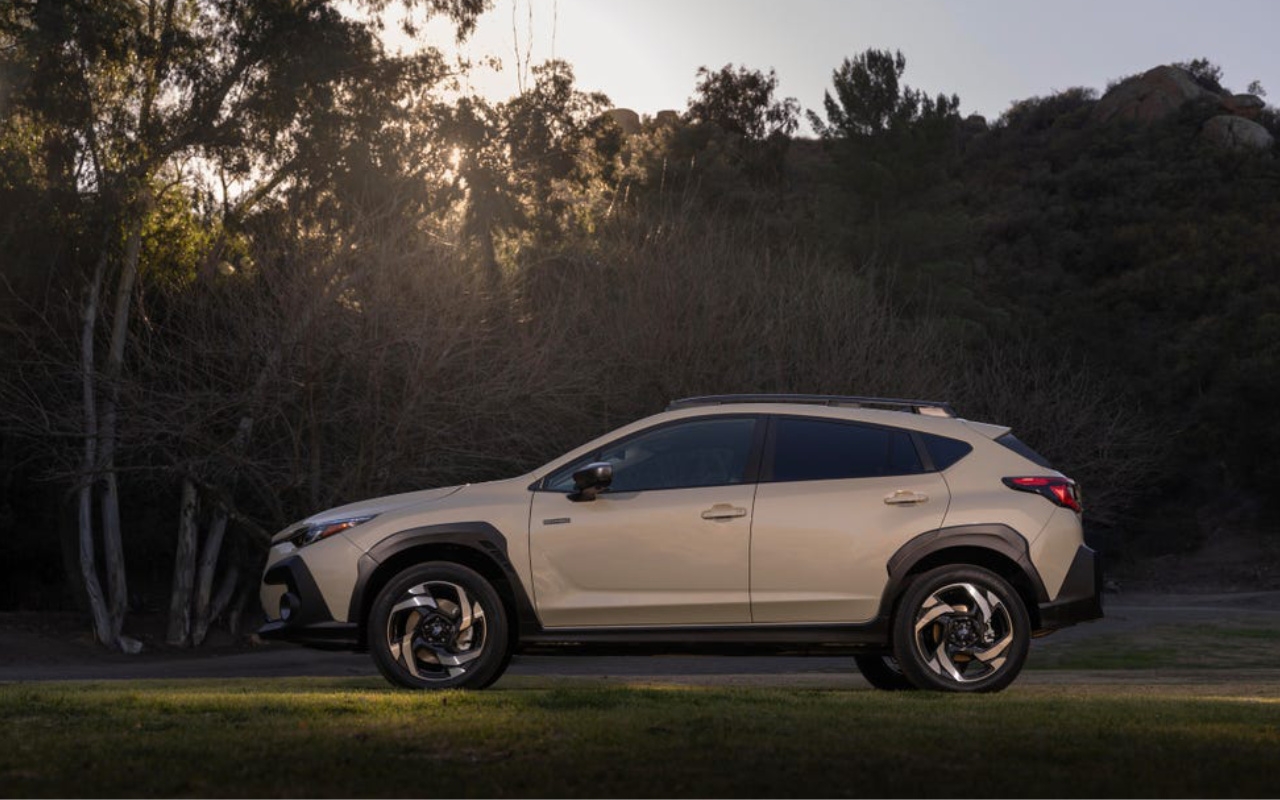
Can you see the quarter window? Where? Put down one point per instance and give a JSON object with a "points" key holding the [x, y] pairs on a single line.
{"points": [[703, 452], [945, 451], [819, 450]]}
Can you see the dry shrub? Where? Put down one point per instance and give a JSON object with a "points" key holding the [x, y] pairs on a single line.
{"points": [[1082, 421], [377, 362]]}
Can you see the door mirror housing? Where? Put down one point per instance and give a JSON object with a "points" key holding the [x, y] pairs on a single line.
{"points": [[591, 480]]}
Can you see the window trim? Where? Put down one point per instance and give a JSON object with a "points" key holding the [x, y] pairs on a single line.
{"points": [[771, 445], [751, 471]]}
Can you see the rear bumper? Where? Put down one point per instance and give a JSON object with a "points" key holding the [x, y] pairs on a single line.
{"points": [[304, 617], [1080, 598]]}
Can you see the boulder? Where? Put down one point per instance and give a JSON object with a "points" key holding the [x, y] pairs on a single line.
{"points": [[1151, 96], [1236, 133], [1248, 106], [628, 120], [667, 118]]}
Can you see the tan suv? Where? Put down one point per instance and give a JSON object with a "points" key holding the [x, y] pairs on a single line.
{"points": [[934, 547]]}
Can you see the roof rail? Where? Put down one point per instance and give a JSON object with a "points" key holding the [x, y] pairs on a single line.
{"points": [[930, 408]]}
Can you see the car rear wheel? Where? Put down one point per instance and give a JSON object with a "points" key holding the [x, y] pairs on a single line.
{"points": [[882, 671], [439, 626], [961, 628]]}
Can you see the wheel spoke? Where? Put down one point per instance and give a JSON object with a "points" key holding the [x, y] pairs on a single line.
{"points": [[416, 601], [941, 662], [464, 605], [984, 608], [932, 614], [994, 656], [407, 656]]}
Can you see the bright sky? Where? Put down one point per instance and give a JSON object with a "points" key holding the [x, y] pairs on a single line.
{"points": [[644, 53]]}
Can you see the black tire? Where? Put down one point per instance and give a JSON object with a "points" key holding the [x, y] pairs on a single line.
{"points": [[882, 671], [421, 635], [961, 628]]}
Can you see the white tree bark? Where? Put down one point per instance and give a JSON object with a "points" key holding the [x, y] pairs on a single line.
{"points": [[112, 540], [184, 568], [88, 557], [204, 579]]}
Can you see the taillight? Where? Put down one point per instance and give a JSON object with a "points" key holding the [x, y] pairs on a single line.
{"points": [[1059, 491]]}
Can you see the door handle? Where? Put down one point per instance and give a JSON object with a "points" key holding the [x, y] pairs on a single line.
{"points": [[905, 497], [723, 511]]}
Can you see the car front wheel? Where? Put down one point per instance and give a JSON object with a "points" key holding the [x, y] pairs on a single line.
{"points": [[961, 629], [439, 626]]}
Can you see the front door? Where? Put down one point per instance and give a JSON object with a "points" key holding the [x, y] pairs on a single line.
{"points": [[668, 543]]}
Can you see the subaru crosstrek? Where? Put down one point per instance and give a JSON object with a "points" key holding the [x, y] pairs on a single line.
{"points": [[933, 547]]}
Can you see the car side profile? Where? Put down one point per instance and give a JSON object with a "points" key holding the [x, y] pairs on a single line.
{"points": [[933, 547]]}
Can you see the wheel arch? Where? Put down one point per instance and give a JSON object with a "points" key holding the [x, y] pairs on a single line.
{"points": [[477, 546], [998, 548]]}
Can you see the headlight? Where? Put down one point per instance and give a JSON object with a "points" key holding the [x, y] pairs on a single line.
{"points": [[314, 532]]}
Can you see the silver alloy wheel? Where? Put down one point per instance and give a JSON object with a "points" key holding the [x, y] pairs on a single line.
{"points": [[435, 630], [963, 632]]}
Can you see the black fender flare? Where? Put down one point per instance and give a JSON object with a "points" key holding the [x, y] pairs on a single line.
{"points": [[482, 538], [997, 538]]}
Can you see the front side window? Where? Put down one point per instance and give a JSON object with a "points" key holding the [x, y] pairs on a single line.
{"points": [[703, 452], [822, 450]]}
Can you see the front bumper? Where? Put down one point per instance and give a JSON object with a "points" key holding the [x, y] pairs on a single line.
{"points": [[1080, 598], [304, 617]]}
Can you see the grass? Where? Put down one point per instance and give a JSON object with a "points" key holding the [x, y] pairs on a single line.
{"points": [[358, 737], [1165, 646]]}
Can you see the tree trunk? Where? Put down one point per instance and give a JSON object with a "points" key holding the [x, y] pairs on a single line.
{"points": [[489, 261], [230, 580], [112, 540], [204, 581], [102, 628], [184, 568]]}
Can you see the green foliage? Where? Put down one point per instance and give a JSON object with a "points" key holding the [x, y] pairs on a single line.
{"points": [[748, 122], [1205, 72], [891, 140], [872, 102], [1066, 109], [741, 101]]}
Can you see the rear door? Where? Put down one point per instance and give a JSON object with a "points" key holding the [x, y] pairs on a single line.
{"points": [[835, 500]]}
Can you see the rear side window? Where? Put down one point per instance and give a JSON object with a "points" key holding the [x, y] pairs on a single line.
{"points": [[821, 450], [945, 451], [1016, 445]]}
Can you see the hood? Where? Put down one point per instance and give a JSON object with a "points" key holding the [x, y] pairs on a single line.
{"points": [[381, 505]]}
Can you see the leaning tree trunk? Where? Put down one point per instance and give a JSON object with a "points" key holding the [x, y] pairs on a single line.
{"points": [[184, 568], [112, 539], [204, 579], [102, 627]]}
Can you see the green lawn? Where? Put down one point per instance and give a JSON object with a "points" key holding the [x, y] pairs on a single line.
{"points": [[356, 737], [1197, 645]]}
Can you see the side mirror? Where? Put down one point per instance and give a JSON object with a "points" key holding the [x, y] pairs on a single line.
{"points": [[591, 480]]}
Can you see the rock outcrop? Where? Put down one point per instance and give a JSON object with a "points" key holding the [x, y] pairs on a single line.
{"points": [[1248, 106], [1159, 92], [1236, 133], [667, 118], [1151, 96], [628, 120]]}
